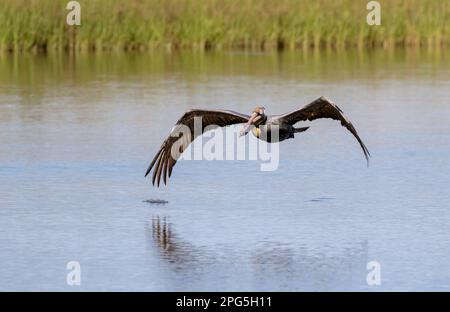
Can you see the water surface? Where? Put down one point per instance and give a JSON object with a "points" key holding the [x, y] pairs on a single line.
{"points": [[77, 133]]}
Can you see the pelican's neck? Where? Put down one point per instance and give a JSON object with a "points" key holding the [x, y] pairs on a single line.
{"points": [[259, 120]]}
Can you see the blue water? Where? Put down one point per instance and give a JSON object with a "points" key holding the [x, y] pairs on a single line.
{"points": [[77, 135]]}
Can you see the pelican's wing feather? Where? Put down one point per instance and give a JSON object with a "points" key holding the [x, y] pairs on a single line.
{"points": [[183, 133], [322, 108]]}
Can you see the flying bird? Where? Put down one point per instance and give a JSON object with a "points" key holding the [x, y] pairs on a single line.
{"points": [[271, 129]]}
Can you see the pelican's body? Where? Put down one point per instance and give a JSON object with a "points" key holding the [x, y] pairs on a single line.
{"points": [[283, 131], [271, 129]]}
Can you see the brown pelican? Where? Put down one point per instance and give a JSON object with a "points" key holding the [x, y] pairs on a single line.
{"points": [[261, 125]]}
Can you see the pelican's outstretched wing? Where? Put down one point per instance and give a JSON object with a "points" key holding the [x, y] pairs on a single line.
{"points": [[183, 133], [322, 108]]}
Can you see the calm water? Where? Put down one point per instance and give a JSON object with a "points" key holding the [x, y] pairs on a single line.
{"points": [[77, 134]]}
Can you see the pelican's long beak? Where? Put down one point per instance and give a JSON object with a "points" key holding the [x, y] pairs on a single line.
{"points": [[248, 125]]}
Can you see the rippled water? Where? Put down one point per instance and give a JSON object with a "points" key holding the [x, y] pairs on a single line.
{"points": [[77, 134]]}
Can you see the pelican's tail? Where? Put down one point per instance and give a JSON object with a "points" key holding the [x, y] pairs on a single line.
{"points": [[301, 129]]}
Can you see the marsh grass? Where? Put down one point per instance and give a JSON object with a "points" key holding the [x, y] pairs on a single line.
{"points": [[40, 25]]}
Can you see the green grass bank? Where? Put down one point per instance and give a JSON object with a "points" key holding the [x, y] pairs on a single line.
{"points": [[106, 25]]}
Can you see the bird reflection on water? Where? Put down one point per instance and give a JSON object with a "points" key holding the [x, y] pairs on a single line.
{"points": [[299, 266], [172, 248], [161, 232]]}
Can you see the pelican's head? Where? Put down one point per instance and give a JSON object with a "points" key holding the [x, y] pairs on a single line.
{"points": [[259, 110], [258, 114]]}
